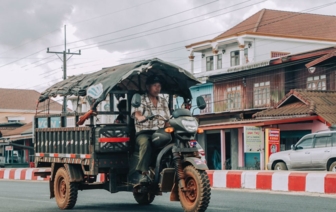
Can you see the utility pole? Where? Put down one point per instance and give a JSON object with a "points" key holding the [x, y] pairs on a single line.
{"points": [[64, 109]]}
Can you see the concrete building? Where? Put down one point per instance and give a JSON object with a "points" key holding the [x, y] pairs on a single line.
{"points": [[251, 67], [17, 110]]}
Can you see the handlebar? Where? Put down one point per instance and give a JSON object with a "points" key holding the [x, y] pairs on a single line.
{"points": [[152, 117]]}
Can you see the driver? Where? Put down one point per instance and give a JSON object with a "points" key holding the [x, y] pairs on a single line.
{"points": [[151, 103]]}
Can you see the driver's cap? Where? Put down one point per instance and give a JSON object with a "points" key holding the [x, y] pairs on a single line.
{"points": [[153, 79]]}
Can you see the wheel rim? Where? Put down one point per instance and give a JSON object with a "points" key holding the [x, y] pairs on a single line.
{"points": [[62, 188], [333, 169], [191, 190]]}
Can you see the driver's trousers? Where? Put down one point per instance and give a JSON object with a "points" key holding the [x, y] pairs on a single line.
{"points": [[144, 153]]}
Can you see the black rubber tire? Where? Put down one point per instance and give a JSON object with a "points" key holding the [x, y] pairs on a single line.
{"points": [[280, 166], [144, 198], [198, 197], [65, 191], [332, 167]]}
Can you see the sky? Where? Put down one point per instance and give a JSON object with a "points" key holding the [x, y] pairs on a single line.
{"points": [[112, 32]]}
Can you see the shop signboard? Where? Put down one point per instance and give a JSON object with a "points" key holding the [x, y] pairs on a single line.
{"points": [[9, 148], [252, 139], [272, 142]]}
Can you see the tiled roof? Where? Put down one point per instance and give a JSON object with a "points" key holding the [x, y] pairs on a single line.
{"points": [[284, 24], [22, 99], [25, 129], [305, 103], [321, 59]]}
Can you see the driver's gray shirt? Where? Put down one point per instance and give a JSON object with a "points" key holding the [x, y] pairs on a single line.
{"points": [[145, 108]]}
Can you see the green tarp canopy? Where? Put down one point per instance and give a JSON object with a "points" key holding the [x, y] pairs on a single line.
{"points": [[129, 76]]}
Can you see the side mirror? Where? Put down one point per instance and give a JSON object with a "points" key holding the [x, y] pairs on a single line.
{"points": [[201, 104], [136, 100]]}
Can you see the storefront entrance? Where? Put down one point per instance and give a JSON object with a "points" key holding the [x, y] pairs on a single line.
{"points": [[213, 151], [288, 138]]}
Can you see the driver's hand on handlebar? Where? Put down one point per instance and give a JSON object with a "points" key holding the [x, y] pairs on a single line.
{"points": [[167, 124]]}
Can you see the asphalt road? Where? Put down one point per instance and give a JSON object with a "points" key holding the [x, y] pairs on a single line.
{"points": [[24, 196]]}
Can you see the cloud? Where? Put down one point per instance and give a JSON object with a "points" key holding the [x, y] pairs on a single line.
{"points": [[32, 26], [28, 20]]}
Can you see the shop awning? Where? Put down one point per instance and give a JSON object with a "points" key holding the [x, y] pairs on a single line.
{"points": [[249, 66], [15, 138], [257, 122]]}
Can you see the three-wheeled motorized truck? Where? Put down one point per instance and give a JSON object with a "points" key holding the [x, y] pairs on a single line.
{"points": [[78, 146]]}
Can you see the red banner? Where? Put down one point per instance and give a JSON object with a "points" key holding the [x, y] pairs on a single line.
{"points": [[273, 141]]}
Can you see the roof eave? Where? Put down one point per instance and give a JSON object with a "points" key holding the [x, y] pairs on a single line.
{"points": [[261, 123], [224, 39]]}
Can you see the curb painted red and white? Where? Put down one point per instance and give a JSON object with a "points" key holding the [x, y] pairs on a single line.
{"points": [[313, 182], [28, 174], [21, 174]]}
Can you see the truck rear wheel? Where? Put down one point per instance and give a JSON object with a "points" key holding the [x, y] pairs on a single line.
{"points": [[65, 191], [144, 198], [196, 196]]}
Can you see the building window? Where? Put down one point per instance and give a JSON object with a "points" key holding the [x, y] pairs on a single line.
{"points": [[317, 83], [219, 61], [209, 63], [208, 101], [235, 58], [262, 93], [234, 98], [246, 55], [279, 54]]}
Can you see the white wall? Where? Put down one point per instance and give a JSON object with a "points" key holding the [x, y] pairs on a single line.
{"points": [[263, 47], [261, 50]]}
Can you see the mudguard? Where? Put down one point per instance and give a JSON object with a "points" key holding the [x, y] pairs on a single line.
{"points": [[196, 162], [75, 172]]}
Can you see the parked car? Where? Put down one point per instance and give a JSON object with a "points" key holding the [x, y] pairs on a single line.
{"points": [[316, 151]]}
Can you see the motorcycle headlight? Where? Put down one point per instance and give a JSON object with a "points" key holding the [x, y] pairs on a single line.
{"points": [[190, 125]]}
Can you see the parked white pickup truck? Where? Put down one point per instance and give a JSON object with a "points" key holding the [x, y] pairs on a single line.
{"points": [[316, 151]]}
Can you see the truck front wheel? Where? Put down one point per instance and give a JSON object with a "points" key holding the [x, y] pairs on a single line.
{"points": [[65, 191], [196, 196]]}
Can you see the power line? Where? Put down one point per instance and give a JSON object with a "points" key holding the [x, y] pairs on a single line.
{"points": [[114, 12], [320, 6], [138, 25], [102, 43], [74, 23], [77, 47], [248, 92], [64, 53], [172, 24]]}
